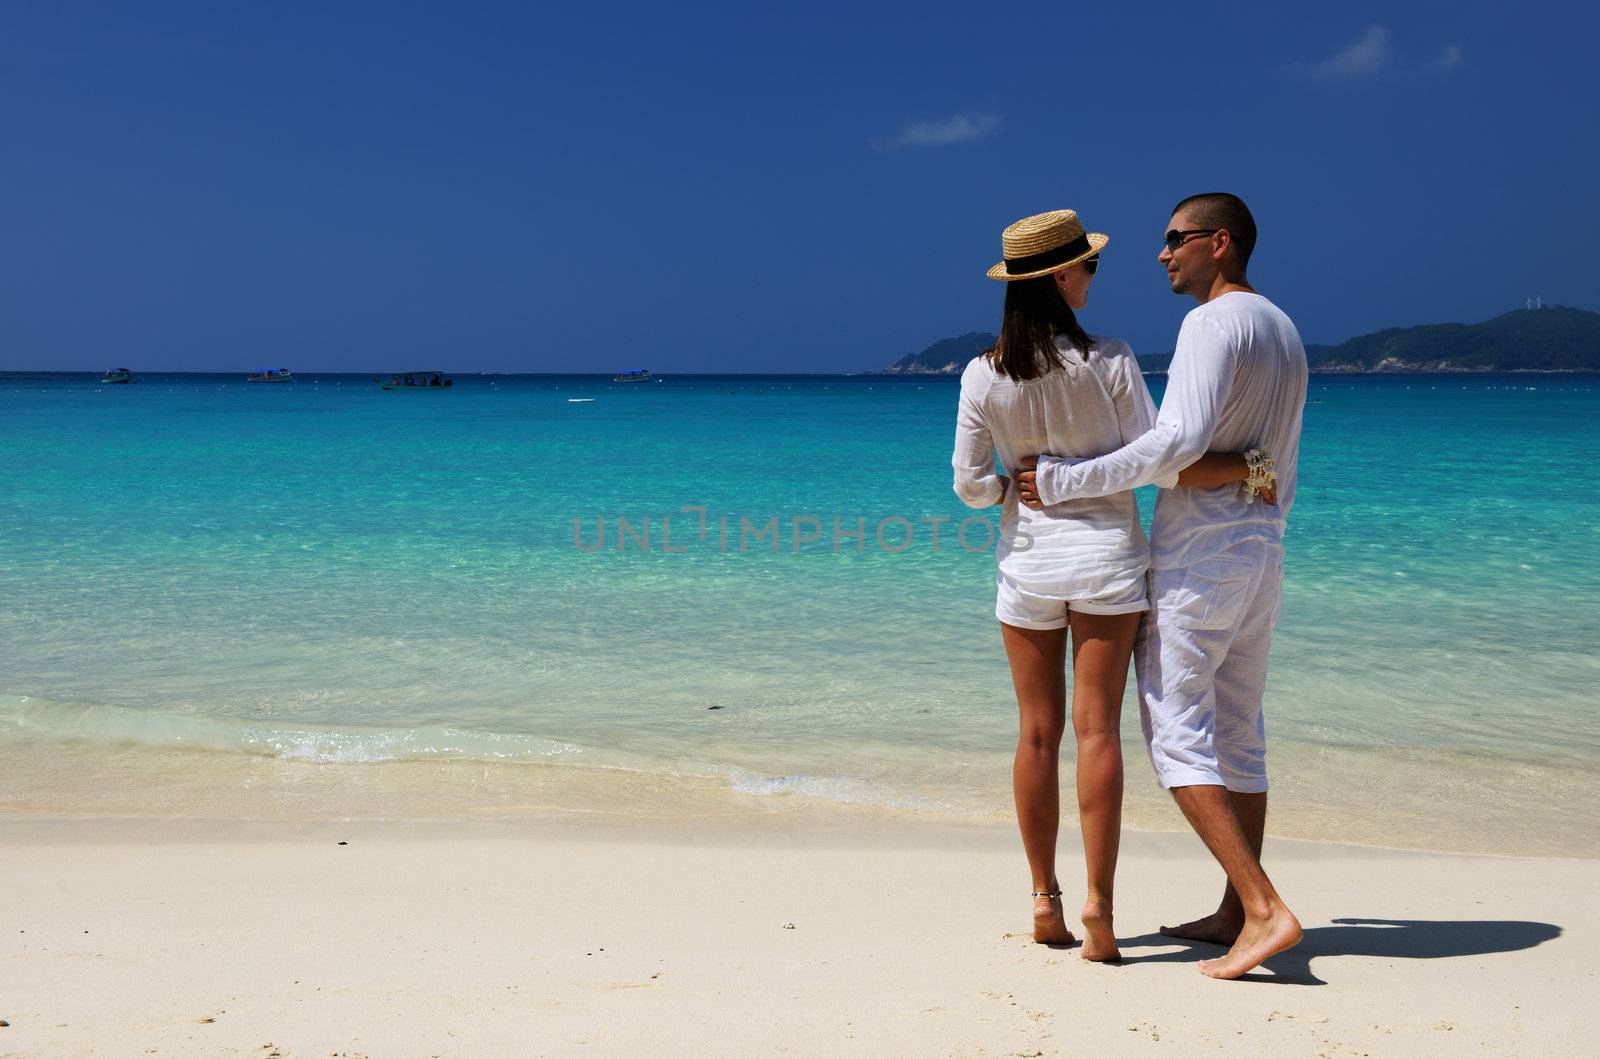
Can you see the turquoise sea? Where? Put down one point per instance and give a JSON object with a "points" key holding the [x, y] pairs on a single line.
{"points": [[309, 585]]}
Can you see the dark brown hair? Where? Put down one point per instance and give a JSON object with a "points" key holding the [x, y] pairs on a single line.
{"points": [[1034, 314]]}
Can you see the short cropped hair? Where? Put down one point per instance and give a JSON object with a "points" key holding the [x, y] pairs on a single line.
{"points": [[1218, 209]]}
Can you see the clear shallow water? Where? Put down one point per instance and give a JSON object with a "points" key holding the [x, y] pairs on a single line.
{"points": [[326, 572]]}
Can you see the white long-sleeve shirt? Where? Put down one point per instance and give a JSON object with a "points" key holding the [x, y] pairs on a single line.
{"points": [[1237, 382], [1082, 548]]}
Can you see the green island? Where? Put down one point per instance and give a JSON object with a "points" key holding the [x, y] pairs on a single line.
{"points": [[1552, 339]]}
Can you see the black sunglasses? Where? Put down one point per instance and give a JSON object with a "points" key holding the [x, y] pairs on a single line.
{"points": [[1176, 238], [1091, 264]]}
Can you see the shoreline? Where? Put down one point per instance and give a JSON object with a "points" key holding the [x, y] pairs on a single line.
{"points": [[1328, 799], [803, 820], [464, 938]]}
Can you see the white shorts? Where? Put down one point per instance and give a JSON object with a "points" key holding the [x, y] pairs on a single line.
{"points": [[1025, 610], [1202, 664]]}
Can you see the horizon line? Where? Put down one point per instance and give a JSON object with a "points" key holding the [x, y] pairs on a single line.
{"points": [[430, 371]]}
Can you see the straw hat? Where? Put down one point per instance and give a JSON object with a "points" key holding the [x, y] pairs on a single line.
{"points": [[1045, 242]]}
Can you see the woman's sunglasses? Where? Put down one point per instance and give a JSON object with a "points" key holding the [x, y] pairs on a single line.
{"points": [[1090, 264]]}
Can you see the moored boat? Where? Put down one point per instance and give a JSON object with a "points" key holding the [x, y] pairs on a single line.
{"points": [[636, 375], [270, 375], [116, 376], [416, 380]]}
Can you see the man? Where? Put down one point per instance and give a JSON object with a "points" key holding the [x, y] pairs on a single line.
{"points": [[1237, 383]]}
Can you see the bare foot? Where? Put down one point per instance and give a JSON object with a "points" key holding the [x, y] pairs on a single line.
{"points": [[1049, 924], [1099, 940], [1216, 929], [1259, 940]]}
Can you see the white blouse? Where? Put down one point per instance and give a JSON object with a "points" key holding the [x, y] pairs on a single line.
{"points": [[1096, 403]]}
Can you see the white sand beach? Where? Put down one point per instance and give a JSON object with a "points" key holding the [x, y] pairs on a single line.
{"points": [[804, 933]]}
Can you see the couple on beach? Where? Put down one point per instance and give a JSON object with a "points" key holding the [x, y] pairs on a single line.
{"points": [[1071, 419]]}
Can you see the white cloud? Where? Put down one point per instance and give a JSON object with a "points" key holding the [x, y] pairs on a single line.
{"points": [[941, 132], [1363, 57], [1373, 52], [1449, 58]]}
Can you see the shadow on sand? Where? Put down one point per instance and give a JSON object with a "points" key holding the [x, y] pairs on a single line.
{"points": [[1395, 939]]}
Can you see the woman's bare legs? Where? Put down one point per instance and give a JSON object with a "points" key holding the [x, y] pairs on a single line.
{"points": [[1038, 672], [1101, 646]]}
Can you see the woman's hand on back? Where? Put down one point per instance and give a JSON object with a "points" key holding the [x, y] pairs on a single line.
{"points": [[1027, 474]]}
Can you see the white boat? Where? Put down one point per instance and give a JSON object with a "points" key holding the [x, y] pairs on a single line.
{"points": [[270, 375]]}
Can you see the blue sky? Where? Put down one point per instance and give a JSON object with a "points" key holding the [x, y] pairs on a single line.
{"points": [[816, 187]]}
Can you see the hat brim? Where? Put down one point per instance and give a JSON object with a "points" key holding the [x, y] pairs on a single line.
{"points": [[1097, 243]]}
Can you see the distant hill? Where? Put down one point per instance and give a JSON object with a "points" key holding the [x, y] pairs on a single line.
{"points": [[948, 356], [1556, 338], [1552, 339]]}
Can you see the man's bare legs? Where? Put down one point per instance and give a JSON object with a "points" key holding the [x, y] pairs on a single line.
{"points": [[1269, 927], [1222, 926], [1038, 672], [1101, 646]]}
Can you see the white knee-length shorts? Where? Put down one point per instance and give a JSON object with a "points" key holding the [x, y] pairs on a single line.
{"points": [[1201, 660]]}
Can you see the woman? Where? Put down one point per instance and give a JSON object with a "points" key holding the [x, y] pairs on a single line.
{"points": [[1049, 387]]}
